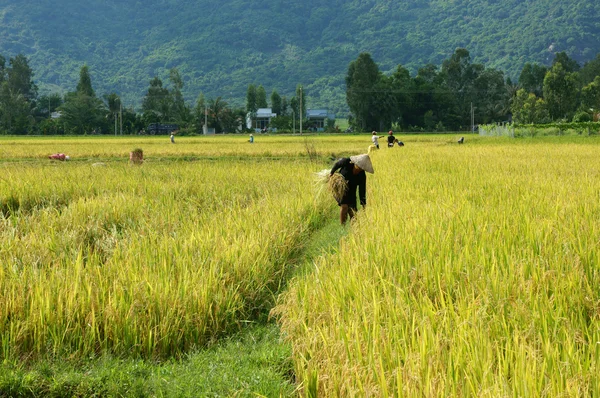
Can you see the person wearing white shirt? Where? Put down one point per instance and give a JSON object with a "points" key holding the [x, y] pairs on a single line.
{"points": [[375, 138]]}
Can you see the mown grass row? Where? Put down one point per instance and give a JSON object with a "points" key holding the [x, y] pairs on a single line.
{"points": [[473, 272], [147, 261]]}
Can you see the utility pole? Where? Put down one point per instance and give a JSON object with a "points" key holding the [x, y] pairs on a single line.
{"points": [[121, 115], [300, 110], [472, 118], [293, 122]]}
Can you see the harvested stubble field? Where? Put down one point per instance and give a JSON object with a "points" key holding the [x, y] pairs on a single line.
{"points": [[472, 272]]}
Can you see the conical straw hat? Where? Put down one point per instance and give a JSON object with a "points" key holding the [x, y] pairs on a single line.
{"points": [[364, 162]]}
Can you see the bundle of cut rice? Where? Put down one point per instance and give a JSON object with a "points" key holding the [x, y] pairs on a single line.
{"points": [[336, 184]]}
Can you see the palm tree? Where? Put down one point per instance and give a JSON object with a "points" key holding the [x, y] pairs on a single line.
{"points": [[217, 113]]}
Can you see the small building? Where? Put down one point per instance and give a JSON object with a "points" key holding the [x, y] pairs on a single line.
{"points": [[262, 119], [317, 119]]}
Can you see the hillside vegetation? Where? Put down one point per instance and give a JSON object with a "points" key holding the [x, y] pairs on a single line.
{"points": [[221, 47]]}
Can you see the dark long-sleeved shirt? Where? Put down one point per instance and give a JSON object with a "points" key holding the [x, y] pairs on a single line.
{"points": [[346, 168]]}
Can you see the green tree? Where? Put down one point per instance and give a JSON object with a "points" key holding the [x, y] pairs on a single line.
{"points": [[261, 97], [384, 108], [460, 75], [15, 116], [232, 119], [84, 86], [281, 122], [276, 103], [532, 78], [156, 105], [560, 92], [251, 100], [361, 83], [20, 78], [294, 109], [393, 98], [569, 64], [429, 100], [48, 103], [219, 114], [590, 70], [511, 94], [590, 96], [529, 109], [180, 111], [82, 111], [17, 96], [50, 127], [42, 111], [284, 106], [402, 98], [132, 121], [2, 69], [490, 95]]}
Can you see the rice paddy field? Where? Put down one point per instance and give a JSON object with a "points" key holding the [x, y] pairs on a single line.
{"points": [[472, 272]]}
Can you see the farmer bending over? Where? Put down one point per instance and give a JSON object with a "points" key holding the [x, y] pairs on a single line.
{"points": [[353, 170]]}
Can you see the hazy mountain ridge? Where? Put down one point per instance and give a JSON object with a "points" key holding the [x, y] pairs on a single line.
{"points": [[221, 47]]}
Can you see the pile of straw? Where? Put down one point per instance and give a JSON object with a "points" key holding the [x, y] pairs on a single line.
{"points": [[336, 184]]}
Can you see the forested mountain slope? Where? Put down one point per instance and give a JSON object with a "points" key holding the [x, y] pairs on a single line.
{"points": [[221, 47]]}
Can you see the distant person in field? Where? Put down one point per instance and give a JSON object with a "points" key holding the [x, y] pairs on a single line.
{"points": [[375, 138], [461, 140], [391, 140], [251, 140], [353, 170], [173, 137]]}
